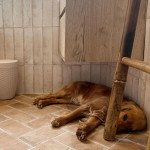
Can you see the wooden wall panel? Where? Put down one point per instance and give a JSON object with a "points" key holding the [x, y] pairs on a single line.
{"points": [[66, 74], [38, 79], [57, 77], [21, 80], [2, 51], [47, 78], [55, 13], [37, 45], [29, 76], [27, 13], [7, 13], [85, 72], [1, 13], [17, 13], [28, 45], [37, 13], [97, 26], [47, 13], [95, 73], [18, 38], [55, 53], [9, 43], [47, 45]]}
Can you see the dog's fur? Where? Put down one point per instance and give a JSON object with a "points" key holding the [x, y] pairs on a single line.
{"points": [[92, 100]]}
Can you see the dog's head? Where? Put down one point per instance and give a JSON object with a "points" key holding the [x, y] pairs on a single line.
{"points": [[131, 118]]}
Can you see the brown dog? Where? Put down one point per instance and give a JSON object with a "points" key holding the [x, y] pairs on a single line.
{"points": [[93, 103]]}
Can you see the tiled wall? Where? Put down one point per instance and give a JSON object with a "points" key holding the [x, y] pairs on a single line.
{"points": [[29, 32]]}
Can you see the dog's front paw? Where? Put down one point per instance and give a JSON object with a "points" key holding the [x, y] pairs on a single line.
{"points": [[81, 134], [36, 101], [57, 122]]}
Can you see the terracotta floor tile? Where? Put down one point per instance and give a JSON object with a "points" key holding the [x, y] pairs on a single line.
{"points": [[19, 105], [97, 136], [25, 99], [41, 112], [140, 138], [37, 136], [127, 145], [53, 145], [46, 120], [14, 128], [4, 109], [19, 116], [7, 102], [8, 142], [72, 141], [2, 118]]}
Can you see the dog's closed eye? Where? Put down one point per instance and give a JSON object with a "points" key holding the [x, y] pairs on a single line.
{"points": [[125, 117]]}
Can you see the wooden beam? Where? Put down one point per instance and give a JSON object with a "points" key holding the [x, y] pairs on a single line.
{"points": [[140, 65], [121, 70]]}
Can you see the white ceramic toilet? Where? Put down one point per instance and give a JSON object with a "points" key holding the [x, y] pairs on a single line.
{"points": [[8, 78]]}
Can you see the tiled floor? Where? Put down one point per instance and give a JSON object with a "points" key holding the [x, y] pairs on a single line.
{"points": [[25, 127]]}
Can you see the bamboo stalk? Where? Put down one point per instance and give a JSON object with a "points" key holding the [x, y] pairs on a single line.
{"points": [[143, 66], [121, 70]]}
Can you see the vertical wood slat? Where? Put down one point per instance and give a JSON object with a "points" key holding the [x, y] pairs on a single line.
{"points": [[21, 80], [1, 13], [37, 45], [28, 79], [47, 78], [37, 13], [57, 77], [76, 73], [38, 79], [85, 72], [18, 38], [17, 13], [2, 51], [56, 13], [27, 13], [9, 43], [55, 54], [95, 73], [7, 13], [47, 13], [28, 45], [103, 73], [47, 45], [66, 74]]}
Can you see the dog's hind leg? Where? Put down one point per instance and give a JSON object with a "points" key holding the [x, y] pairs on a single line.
{"points": [[64, 93], [45, 102], [64, 119]]}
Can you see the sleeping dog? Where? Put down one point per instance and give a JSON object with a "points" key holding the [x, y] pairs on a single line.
{"points": [[92, 100]]}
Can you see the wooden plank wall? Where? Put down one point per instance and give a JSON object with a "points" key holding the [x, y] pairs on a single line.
{"points": [[98, 28], [32, 38], [29, 32]]}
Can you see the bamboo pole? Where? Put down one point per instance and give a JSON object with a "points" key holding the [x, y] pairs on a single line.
{"points": [[148, 144], [143, 66], [120, 76]]}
